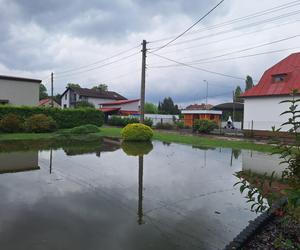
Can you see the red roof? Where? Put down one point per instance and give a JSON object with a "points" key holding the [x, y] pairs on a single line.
{"points": [[105, 110], [199, 106], [119, 102], [44, 101], [288, 68]]}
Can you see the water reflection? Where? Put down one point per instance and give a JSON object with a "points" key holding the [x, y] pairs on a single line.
{"points": [[90, 202], [13, 162], [262, 163]]}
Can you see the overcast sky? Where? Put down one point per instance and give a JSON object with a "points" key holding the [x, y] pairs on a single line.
{"points": [[38, 37]]}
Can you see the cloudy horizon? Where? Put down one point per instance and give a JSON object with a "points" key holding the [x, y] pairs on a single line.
{"points": [[71, 39]]}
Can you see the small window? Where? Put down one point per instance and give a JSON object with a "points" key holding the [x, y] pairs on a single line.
{"points": [[279, 78], [66, 96], [65, 106]]}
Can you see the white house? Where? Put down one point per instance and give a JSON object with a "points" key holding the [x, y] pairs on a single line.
{"points": [[121, 107], [262, 106], [73, 95], [19, 90]]}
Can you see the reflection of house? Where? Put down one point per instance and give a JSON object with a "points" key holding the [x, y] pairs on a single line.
{"points": [[19, 90], [261, 163], [196, 112], [18, 161], [72, 95], [262, 108], [47, 103]]}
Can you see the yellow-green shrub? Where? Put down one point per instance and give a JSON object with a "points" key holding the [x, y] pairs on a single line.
{"points": [[40, 124], [11, 123], [137, 132]]}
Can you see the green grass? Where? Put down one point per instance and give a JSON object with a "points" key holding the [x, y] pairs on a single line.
{"points": [[198, 141]]}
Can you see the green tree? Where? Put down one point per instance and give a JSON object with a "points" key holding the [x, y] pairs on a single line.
{"points": [[150, 108], [43, 92], [168, 107], [102, 87], [249, 83], [73, 85], [237, 94]]}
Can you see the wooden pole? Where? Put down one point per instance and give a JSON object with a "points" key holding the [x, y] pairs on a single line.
{"points": [[143, 82], [52, 104]]}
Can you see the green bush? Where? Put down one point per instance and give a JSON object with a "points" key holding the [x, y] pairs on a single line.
{"points": [[82, 130], [180, 125], [204, 126], [40, 123], [136, 148], [65, 118], [11, 123], [166, 126], [122, 121], [137, 132], [84, 104], [148, 122]]}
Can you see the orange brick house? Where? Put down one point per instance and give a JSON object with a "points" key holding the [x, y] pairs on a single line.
{"points": [[202, 111]]}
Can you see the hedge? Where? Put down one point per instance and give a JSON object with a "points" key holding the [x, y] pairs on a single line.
{"points": [[65, 118]]}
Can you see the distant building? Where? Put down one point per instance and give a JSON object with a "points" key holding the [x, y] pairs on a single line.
{"points": [[47, 103], [121, 107], [202, 111], [262, 106], [71, 96], [19, 91]]}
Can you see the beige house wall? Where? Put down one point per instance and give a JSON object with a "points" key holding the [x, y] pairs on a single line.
{"points": [[19, 92]]}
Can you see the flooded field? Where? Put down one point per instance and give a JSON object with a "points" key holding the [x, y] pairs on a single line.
{"points": [[100, 196]]}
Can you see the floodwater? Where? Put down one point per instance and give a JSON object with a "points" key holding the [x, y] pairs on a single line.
{"points": [[96, 196]]}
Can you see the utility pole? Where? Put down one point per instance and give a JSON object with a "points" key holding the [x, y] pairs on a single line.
{"points": [[52, 89], [206, 92], [233, 107], [143, 81]]}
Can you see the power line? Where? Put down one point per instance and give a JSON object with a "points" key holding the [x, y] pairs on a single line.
{"points": [[232, 30], [244, 49], [100, 66], [256, 14], [197, 68], [97, 62], [228, 59], [229, 38], [193, 25]]}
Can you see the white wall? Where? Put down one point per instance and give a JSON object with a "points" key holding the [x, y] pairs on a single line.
{"points": [[65, 100], [265, 112], [20, 92], [262, 163], [158, 118], [97, 101]]}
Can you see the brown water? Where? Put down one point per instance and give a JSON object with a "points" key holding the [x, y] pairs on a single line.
{"points": [[95, 196]]}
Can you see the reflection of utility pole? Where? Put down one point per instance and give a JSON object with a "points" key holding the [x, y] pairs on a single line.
{"points": [[50, 166], [140, 203], [231, 160], [205, 158]]}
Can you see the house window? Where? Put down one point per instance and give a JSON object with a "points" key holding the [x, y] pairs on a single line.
{"points": [[65, 106], [66, 96], [211, 117], [279, 78]]}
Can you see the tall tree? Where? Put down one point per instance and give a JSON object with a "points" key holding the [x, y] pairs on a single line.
{"points": [[73, 85], [237, 93], [168, 107], [150, 108], [102, 87], [43, 92], [249, 83]]}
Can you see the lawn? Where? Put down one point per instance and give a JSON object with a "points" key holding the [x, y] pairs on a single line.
{"points": [[199, 141]]}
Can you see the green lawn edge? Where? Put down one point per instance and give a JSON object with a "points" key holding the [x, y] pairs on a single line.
{"points": [[198, 141]]}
